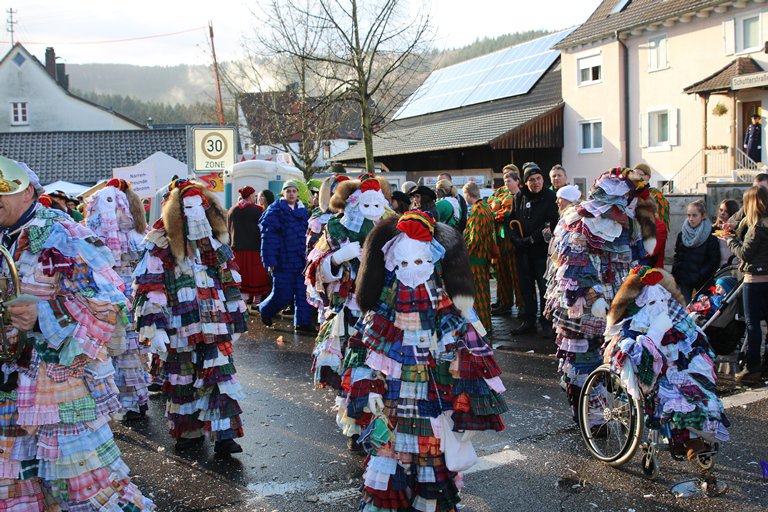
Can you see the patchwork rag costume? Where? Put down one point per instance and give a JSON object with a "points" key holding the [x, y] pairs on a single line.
{"points": [[189, 310], [435, 379], [330, 276], [479, 239], [508, 286], [661, 354], [115, 214], [596, 243], [57, 388], [323, 213], [283, 249]]}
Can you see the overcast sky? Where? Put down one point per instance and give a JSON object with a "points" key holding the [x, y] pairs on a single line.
{"points": [[86, 31]]}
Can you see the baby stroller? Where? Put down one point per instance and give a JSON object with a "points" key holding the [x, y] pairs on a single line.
{"points": [[614, 423], [725, 328]]}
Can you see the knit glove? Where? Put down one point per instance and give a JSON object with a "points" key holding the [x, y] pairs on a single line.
{"points": [[346, 253]]}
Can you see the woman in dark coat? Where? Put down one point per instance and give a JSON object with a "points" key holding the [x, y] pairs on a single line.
{"points": [[243, 226], [697, 252]]}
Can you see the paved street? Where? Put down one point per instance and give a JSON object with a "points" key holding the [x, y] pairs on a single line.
{"points": [[295, 460]]}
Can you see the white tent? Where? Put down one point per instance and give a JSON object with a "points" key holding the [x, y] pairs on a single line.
{"points": [[71, 189], [152, 173]]}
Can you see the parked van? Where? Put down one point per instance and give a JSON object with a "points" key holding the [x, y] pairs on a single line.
{"points": [[260, 174]]}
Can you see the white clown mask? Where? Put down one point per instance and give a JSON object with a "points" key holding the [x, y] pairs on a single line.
{"points": [[371, 204], [414, 261], [194, 213]]}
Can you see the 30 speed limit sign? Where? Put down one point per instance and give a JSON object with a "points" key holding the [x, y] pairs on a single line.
{"points": [[214, 149]]}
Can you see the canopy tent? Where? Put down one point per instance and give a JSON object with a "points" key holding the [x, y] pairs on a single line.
{"points": [[71, 189], [152, 173]]}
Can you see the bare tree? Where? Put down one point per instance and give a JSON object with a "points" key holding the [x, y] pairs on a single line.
{"points": [[365, 51], [295, 111]]}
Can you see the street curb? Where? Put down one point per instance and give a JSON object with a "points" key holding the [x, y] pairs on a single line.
{"points": [[745, 398]]}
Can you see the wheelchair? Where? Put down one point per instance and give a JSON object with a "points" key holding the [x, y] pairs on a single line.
{"points": [[613, 424]]}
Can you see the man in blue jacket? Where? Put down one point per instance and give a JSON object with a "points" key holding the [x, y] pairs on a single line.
{"points": [[283, 238]]}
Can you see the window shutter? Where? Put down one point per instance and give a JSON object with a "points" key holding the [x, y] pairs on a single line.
{"points": [[664, 52], [672, 115], [643, 130], [729, 36]]}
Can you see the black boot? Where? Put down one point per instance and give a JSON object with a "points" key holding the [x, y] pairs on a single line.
{"points": [[527, 326], [227, 447], [185, 443], [266, 321], [352, 444]]}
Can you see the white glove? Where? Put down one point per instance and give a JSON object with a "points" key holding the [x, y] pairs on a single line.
{"points": [[659, 326], [346, 253], [375, 403], [599, 308], [159, 342]]}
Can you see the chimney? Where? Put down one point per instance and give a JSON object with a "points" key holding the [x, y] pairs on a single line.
{"points": [[61, 76], [50, 61]]}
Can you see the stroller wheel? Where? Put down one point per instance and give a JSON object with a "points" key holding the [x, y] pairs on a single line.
{"points": [[650, 466]]}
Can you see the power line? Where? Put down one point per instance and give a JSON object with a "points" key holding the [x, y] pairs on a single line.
{"points": [[108, 41]]}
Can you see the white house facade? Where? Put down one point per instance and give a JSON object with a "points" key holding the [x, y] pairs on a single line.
{"points": [[672, 84], [33, 100]]}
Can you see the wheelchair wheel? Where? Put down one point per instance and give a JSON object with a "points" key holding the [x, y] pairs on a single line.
{"points": [[650, 466], [706, 461], [610, 419]]}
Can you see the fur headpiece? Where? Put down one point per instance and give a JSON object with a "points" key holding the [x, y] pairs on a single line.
{"points": [[173, 215], [134, 203], [639, 278], [457, 276]]}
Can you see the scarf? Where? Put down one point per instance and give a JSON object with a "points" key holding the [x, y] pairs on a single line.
{"points": [[243, 203], [694, 237]]}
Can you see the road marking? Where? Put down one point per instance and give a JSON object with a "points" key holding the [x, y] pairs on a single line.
{"points": [[745, 398], [267, 489], [494, 460], [484, 463]]}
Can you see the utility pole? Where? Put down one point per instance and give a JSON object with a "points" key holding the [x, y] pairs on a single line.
{"points": [[219, 105], [10, 22]]}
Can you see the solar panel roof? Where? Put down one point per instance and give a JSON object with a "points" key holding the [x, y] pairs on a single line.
{"points": [[502, 74]]}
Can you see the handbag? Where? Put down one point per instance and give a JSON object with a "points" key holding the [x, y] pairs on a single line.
{"points": [[456, 446]]}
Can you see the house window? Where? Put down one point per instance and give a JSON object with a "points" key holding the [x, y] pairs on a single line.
{"points": [[591, 137], [19, 113], [748, 33], [658, 128], [590, 70], [657, 53]]}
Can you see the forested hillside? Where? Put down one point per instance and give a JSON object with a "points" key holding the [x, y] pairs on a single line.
{"points": [[186, 94]]}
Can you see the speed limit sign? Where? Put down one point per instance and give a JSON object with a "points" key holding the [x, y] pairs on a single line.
{"points": [[214, 149]]}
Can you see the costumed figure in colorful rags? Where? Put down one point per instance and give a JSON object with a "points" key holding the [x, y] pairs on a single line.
{"points": [[57, 389], [189, 310], [115, 214], [664, 358], [479, 238], [437, 381], [330, 276], [595, 245], [322, 213], [502, 203]]}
